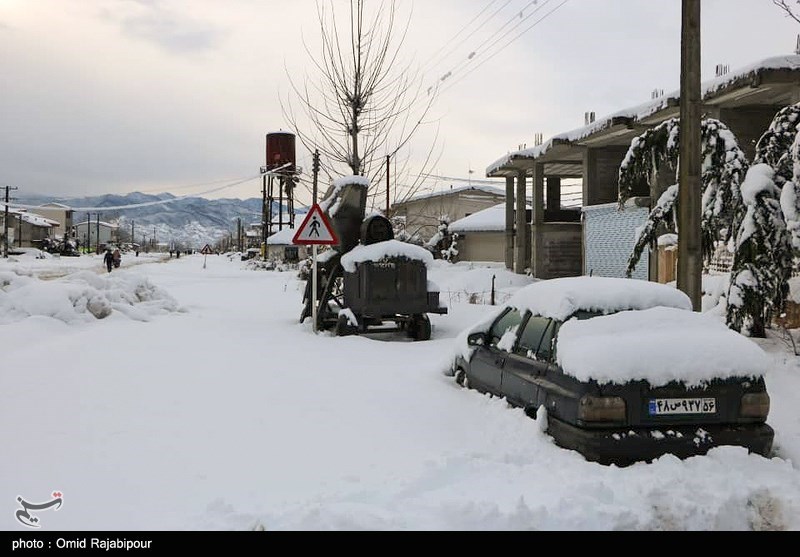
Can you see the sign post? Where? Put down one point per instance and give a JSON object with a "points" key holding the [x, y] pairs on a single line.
{"points": [[315, 231]]}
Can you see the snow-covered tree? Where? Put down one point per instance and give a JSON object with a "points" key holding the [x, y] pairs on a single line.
{"points": [[763, 261], [768, 232], [778, 148], [443, 243], [658, 150]]}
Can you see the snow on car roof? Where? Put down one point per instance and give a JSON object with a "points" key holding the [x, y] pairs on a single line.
{"points": [[659, 345], [561, 298], [382, 250]]}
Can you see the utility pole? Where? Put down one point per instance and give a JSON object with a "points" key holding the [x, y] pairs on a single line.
{"points": [[155, 242], [315, 182], [264, 215], [5, 224], [133, 229], [98, 233], [690, 254], [388, 171]]}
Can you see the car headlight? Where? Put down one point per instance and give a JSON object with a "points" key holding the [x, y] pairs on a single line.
{"points": [[606, 409], [755, 405]]}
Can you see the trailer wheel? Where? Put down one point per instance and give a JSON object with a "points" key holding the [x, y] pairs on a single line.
{"points": [[344, 328], [420, 328]]}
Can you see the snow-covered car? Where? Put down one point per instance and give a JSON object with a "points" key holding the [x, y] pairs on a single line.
{"points": [[621, 370]]}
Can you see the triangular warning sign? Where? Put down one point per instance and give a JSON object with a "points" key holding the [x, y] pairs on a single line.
{"points": [[315, 230], [206, 250]]}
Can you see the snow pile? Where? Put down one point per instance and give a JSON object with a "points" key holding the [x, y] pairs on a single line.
{"points": [[561, 298], [382, 251], [81, 297], [659, 345]]}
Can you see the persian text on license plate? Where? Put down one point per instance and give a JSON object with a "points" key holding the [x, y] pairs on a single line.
{"points": [[678, 406]]}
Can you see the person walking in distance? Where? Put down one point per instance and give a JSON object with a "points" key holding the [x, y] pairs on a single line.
{"points": [[108, 259], [117, 258]]}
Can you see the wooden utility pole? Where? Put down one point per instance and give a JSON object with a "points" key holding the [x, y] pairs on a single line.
{"points": [[5, 224], [690, 249]]}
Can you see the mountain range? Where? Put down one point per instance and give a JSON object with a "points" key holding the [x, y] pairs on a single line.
{"points": [[186, 221]]}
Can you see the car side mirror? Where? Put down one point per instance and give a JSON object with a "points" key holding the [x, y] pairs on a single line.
{"points": [[476, 339]]}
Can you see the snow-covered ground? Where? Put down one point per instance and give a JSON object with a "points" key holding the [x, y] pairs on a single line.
{"points": [[199, 402]]}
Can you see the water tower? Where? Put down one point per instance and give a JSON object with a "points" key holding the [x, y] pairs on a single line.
{"points": [[280, 175]]}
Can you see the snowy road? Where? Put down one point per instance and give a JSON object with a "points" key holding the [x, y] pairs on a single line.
{"points": [[231, 415]]}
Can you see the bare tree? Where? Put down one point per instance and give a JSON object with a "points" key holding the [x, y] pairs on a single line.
{"points": [[362, 104], [786, 6]]}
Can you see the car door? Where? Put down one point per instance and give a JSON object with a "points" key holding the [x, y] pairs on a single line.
{"points": [[487, 363], [529, 362]]}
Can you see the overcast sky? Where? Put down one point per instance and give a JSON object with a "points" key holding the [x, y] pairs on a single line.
{"points": [[115, 96]]}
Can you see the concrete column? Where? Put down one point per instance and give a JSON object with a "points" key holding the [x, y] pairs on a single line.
{"points": [[538, 224], [510, 222], [521, 249]]}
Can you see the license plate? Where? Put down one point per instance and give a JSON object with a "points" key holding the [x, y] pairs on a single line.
{"points": [[682, 406]]}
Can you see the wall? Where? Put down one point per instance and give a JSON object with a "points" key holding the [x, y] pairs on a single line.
{"points": [[482, 246], [610, 235], [560, 251]]}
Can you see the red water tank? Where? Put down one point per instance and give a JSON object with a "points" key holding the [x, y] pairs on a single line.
{"points": [[280, 151]]}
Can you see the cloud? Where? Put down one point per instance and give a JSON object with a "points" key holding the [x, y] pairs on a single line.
{"points": [[172, 32]]}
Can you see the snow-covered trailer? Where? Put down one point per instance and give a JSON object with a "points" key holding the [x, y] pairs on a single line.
{"points": [[370, 281]]}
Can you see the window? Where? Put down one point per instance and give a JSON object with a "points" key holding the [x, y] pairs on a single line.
{"points": [[547, 346], [531, 337], [507, 324]]}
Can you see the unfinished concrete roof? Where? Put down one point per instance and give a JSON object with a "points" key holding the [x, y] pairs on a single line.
{"points": [[773, 81]]}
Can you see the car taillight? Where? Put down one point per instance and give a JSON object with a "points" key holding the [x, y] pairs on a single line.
{"points": [[609, 409], [755, 405]]}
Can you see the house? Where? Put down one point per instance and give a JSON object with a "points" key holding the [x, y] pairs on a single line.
{"points": [[280, 246], [422, 214], [96, 233], [600, 242], [61, 214], [482, 236], [26, 229]]}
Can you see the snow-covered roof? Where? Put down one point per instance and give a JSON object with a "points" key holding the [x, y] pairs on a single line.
{"points": [[659, 345], [457, 190], [492, 219], [649, 108], [282, 238], [561, 298], [102, 223], [33, 218], [382, 250], [55, 205]]}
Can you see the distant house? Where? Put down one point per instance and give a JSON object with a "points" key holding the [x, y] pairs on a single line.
{"points": [[422, 213], [482, 236], [96, 233], [280, 246]]}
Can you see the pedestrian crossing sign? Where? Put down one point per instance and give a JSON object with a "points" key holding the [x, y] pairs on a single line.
{"points": [[315, 230]]}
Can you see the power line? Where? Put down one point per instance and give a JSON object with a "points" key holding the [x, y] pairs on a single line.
{"points": [[434, 61], [506, 45], [496, 36]]}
